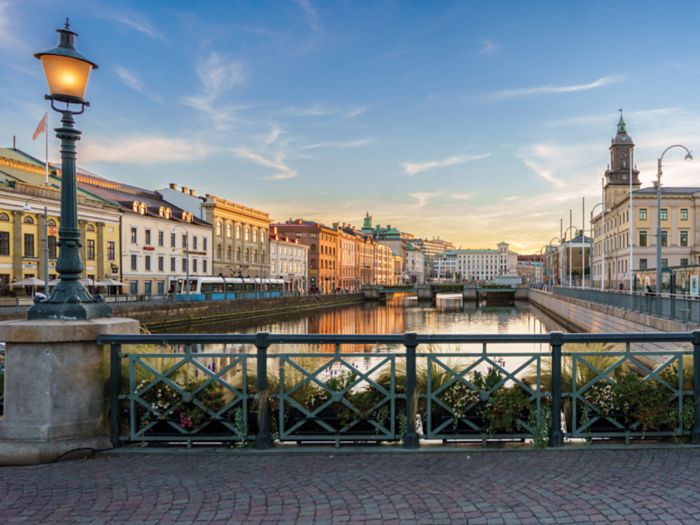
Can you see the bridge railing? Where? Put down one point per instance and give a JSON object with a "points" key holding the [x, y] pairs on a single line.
{"points": [[261, 388], [679, 307]]}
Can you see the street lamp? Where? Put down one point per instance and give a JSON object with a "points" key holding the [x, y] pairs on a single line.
{"points": [[67, 73], [570, 252], [590, 223], [659, 172]]}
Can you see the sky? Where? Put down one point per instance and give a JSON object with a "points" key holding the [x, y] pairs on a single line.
{"points": [[474, 121]]}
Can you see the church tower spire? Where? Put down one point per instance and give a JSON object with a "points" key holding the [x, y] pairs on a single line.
{"points": [[621, 156]]}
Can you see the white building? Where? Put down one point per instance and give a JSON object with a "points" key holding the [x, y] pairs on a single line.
{"points": [[476, 265], [289, 261], [160, 242], [415, 265]]}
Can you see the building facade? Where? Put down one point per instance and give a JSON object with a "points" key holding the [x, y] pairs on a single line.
{"points": [[531, 268], [322, 243], [161, 244], [680, 241], [289, 260], [25, 192], [476, 265], [240, 234], [415, 265]]}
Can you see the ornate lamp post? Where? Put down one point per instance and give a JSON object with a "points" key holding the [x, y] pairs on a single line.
{"points": [[67, 73], [659, 172]]}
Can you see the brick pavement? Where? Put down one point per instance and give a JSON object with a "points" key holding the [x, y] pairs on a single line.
{"points": [[581, 486]]}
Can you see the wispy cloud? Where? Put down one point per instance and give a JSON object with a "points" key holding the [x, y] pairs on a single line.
{"points": [[350, 144], [412, 168], [132, 80], [506, 94], [138, 24], [488, 47], [320, 109], [645, 115], [462, 196], [310, 13], [684, 67], [423, 197], [218, 74], [9, 40], [144, 149], [271, 137], [275, 162]]}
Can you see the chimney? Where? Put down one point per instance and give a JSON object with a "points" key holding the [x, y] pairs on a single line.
{"points": [[14, 142], [185, 189], [172, 186]]}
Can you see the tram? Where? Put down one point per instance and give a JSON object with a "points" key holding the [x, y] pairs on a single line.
{"points": [[224, 288]]}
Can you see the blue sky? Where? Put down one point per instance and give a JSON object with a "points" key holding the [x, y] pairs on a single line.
{"points": [[474, 121]]}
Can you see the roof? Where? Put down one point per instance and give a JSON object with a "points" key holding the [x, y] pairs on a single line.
{"points": [[450, 253], [124, 195], [669, 190], [20, 156]]}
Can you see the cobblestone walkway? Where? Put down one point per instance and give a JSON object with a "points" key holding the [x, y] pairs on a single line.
{"points": [[582, 486]]}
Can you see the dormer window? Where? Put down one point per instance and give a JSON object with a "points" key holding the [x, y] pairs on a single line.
{"points": [[168, 213], [135, 206], [161, 212], [142, 208]]}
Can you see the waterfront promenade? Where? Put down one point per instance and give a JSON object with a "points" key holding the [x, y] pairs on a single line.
{"points": [[499, 487]]}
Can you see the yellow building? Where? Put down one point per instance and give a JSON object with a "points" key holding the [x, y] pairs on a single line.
{"points": [[24, 195]]}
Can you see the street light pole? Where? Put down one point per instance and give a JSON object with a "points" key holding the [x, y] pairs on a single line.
{"points": [[67, 73], [659, 172]]}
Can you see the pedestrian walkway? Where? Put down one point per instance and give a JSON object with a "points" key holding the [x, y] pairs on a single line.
{"points": [[573, 486]]}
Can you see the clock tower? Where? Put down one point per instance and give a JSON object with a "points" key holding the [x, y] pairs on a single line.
{"points": [[617, 176]]}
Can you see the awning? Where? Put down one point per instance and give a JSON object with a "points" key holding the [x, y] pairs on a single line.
{"points": [[30, 281]]}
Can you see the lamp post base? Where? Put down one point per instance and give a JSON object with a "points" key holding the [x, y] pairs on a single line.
{"points": [[69, 301]]}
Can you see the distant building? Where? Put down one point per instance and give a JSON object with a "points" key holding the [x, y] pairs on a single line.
{"points": [[289, 261], [415, 265], [476, 265], [430, 248], [578, 252]]}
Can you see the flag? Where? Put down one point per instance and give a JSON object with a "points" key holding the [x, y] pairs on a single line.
{"points": [[41, 128]]}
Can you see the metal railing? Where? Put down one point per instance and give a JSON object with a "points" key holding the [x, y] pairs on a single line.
{"points": [[2, 379], [679, 307], [225, 388]]}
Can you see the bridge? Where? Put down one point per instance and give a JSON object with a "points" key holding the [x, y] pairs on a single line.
{"points": [[427, 292]]}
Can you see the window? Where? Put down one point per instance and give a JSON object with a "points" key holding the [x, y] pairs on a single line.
{"points": [[228, 230], [684, 237], [684, 214], [194, 242], [219, 252], [5, 243], [185, 244], [642, 214], [194, 265], [91, 249], [111, 251], [161, 263], [147, 287], [229, 253], [53, 247], [218, 228], [134, 236], [173, 240], [642, 264], [28, 220], [173, 264], [664, 214], [204, 244], [184, 265], [147, 261], [134, 287], [684, 262], [642, 238], [246, 234], [4, 217], [238, 231], [134, 262], [664, 237], [664, 263], [204, 266], [161, 238], [29, 245]]}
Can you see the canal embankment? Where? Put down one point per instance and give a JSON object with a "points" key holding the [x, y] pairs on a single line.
{"points": [[185, 316]]}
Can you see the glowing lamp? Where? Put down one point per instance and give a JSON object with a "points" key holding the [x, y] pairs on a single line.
{"points": [[67, 71]]}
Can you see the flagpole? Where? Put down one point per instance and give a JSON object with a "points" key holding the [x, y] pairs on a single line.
{"points": [[46, 163]]}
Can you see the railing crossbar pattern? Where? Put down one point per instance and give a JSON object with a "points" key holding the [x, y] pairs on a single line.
{"points": [[452, 395]]}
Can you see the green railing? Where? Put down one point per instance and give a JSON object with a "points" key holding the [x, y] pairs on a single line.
{"points": [[260, 388]]}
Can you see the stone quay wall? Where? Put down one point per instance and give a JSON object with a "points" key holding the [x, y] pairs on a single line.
{"points": [[169, 317]]}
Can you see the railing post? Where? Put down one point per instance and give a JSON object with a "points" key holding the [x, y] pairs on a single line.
{"points": [[555, 435], [695, 433], [410, 439], [263, 439], [115, 387]]}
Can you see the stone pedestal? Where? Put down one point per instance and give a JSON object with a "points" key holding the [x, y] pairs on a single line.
{"points": [[56, 378]]}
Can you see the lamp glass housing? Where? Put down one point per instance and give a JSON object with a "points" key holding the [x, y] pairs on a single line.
{"points": [[67, 77]]}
